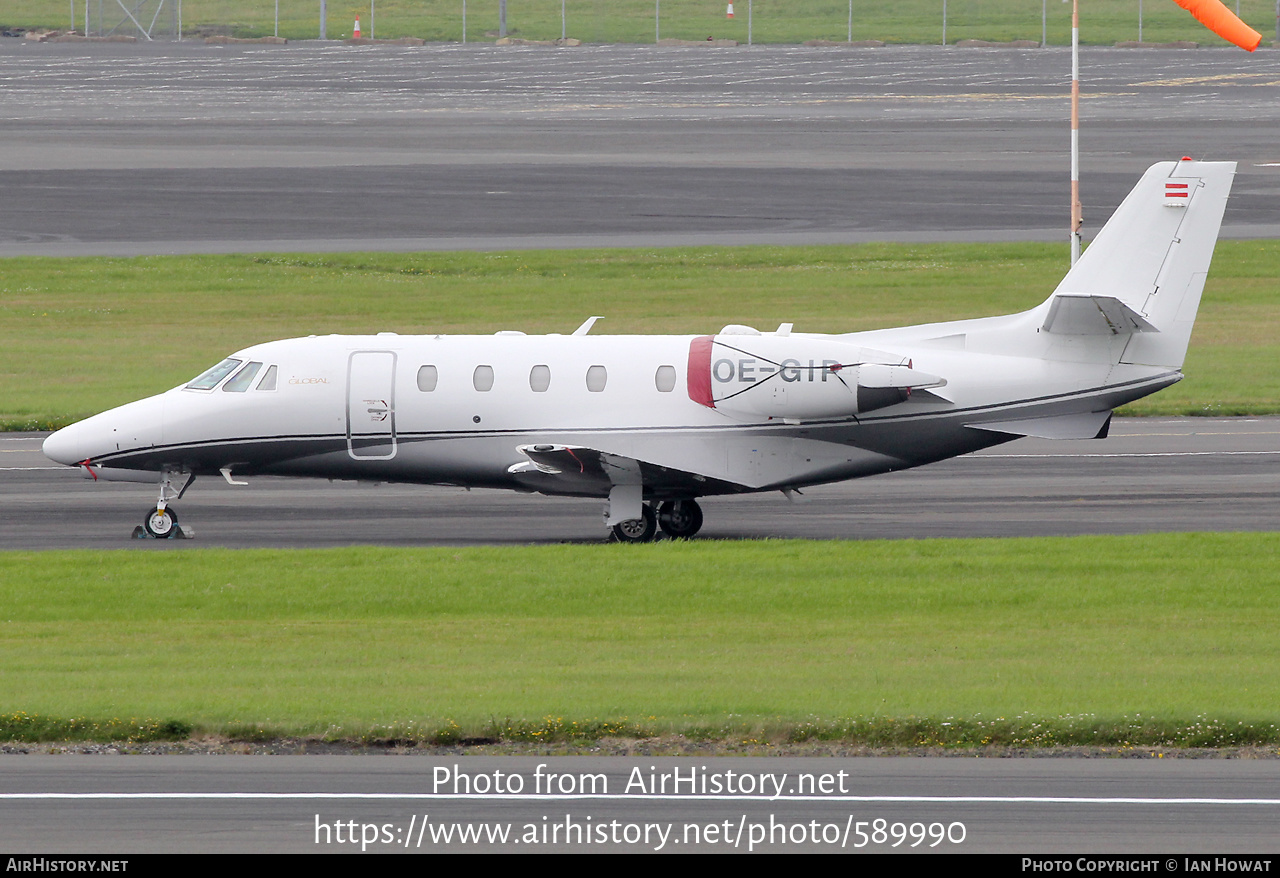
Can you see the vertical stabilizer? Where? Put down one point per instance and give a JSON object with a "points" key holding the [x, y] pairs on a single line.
{"points": [[1152, 257]]}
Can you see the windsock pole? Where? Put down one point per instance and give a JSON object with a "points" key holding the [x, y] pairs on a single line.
{"points": [[1077, 212]]}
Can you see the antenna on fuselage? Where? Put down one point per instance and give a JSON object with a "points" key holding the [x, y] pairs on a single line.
{"points": [[586, 325]]}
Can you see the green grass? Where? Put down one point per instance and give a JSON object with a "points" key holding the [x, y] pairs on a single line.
{"points": [[1040, 638], [632, 21], [78, 336]]}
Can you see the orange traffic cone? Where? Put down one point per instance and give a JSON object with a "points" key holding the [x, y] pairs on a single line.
{"points": [[729, 11], [355, 32]]}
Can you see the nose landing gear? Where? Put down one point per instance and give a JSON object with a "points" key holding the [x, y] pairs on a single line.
{"points": [[161, 523]]}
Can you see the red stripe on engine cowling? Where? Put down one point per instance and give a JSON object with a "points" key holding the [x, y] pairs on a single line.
{"points": [[699, 373]]}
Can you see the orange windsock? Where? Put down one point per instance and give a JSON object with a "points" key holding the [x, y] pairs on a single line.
{"points": [[1219, 19]]}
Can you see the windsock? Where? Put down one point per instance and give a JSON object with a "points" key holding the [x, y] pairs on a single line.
{"points": [[1219, 19]]}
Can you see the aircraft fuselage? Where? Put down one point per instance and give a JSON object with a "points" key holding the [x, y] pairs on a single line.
{"points": [[645, 420]]}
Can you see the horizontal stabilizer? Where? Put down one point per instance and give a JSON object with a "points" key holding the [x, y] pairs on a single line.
{"points": [[1086, 425], [1078, 314]]}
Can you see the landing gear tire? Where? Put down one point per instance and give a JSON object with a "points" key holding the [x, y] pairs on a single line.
{"points": [[161, 523], [637, 530], [680, 518]]}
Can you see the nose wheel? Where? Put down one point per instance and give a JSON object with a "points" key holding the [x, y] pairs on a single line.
{"points": [[160, 523]]}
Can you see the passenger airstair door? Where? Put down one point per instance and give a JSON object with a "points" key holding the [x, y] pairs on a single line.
{"points": [[371, 405]]}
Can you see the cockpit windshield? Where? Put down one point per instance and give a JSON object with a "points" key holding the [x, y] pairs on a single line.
{"points": [[210, 379], [243, 379]]}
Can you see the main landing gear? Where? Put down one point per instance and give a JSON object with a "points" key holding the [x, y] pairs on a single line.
{"points": [[637, 530], [680, 518], [161, 522], [677, 518]]}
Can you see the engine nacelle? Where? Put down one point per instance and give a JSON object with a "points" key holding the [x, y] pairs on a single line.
{"points": [[796, 378]]}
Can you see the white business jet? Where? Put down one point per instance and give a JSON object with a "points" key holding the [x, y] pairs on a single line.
{"points": [[651, 423]]}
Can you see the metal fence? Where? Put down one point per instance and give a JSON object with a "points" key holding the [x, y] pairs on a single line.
{"points": [[641, 21]]}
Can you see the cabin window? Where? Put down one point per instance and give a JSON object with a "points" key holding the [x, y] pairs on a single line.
{"points": [[665, 378], [428, 376], [268, 381], [596, 378], [210, 379], [483, 378], [243, 379], [540, 378]]}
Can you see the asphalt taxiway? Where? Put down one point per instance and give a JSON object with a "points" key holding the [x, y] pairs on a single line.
{"points": [[291, 804], [192, 148]]}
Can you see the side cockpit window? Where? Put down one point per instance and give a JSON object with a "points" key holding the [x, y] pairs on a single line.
{"points": [[210, 379], [268, 381], [240, 383]]}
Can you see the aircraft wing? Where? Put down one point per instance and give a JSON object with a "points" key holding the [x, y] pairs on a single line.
{"points": [[577, 469], [678, 465], [583, 471]]}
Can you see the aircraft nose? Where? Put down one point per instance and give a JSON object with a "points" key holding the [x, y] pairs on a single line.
{"points": [[135, 426], [66, 446]]}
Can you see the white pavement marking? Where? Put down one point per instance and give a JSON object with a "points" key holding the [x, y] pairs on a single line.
{"points": [[627, 797]]}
